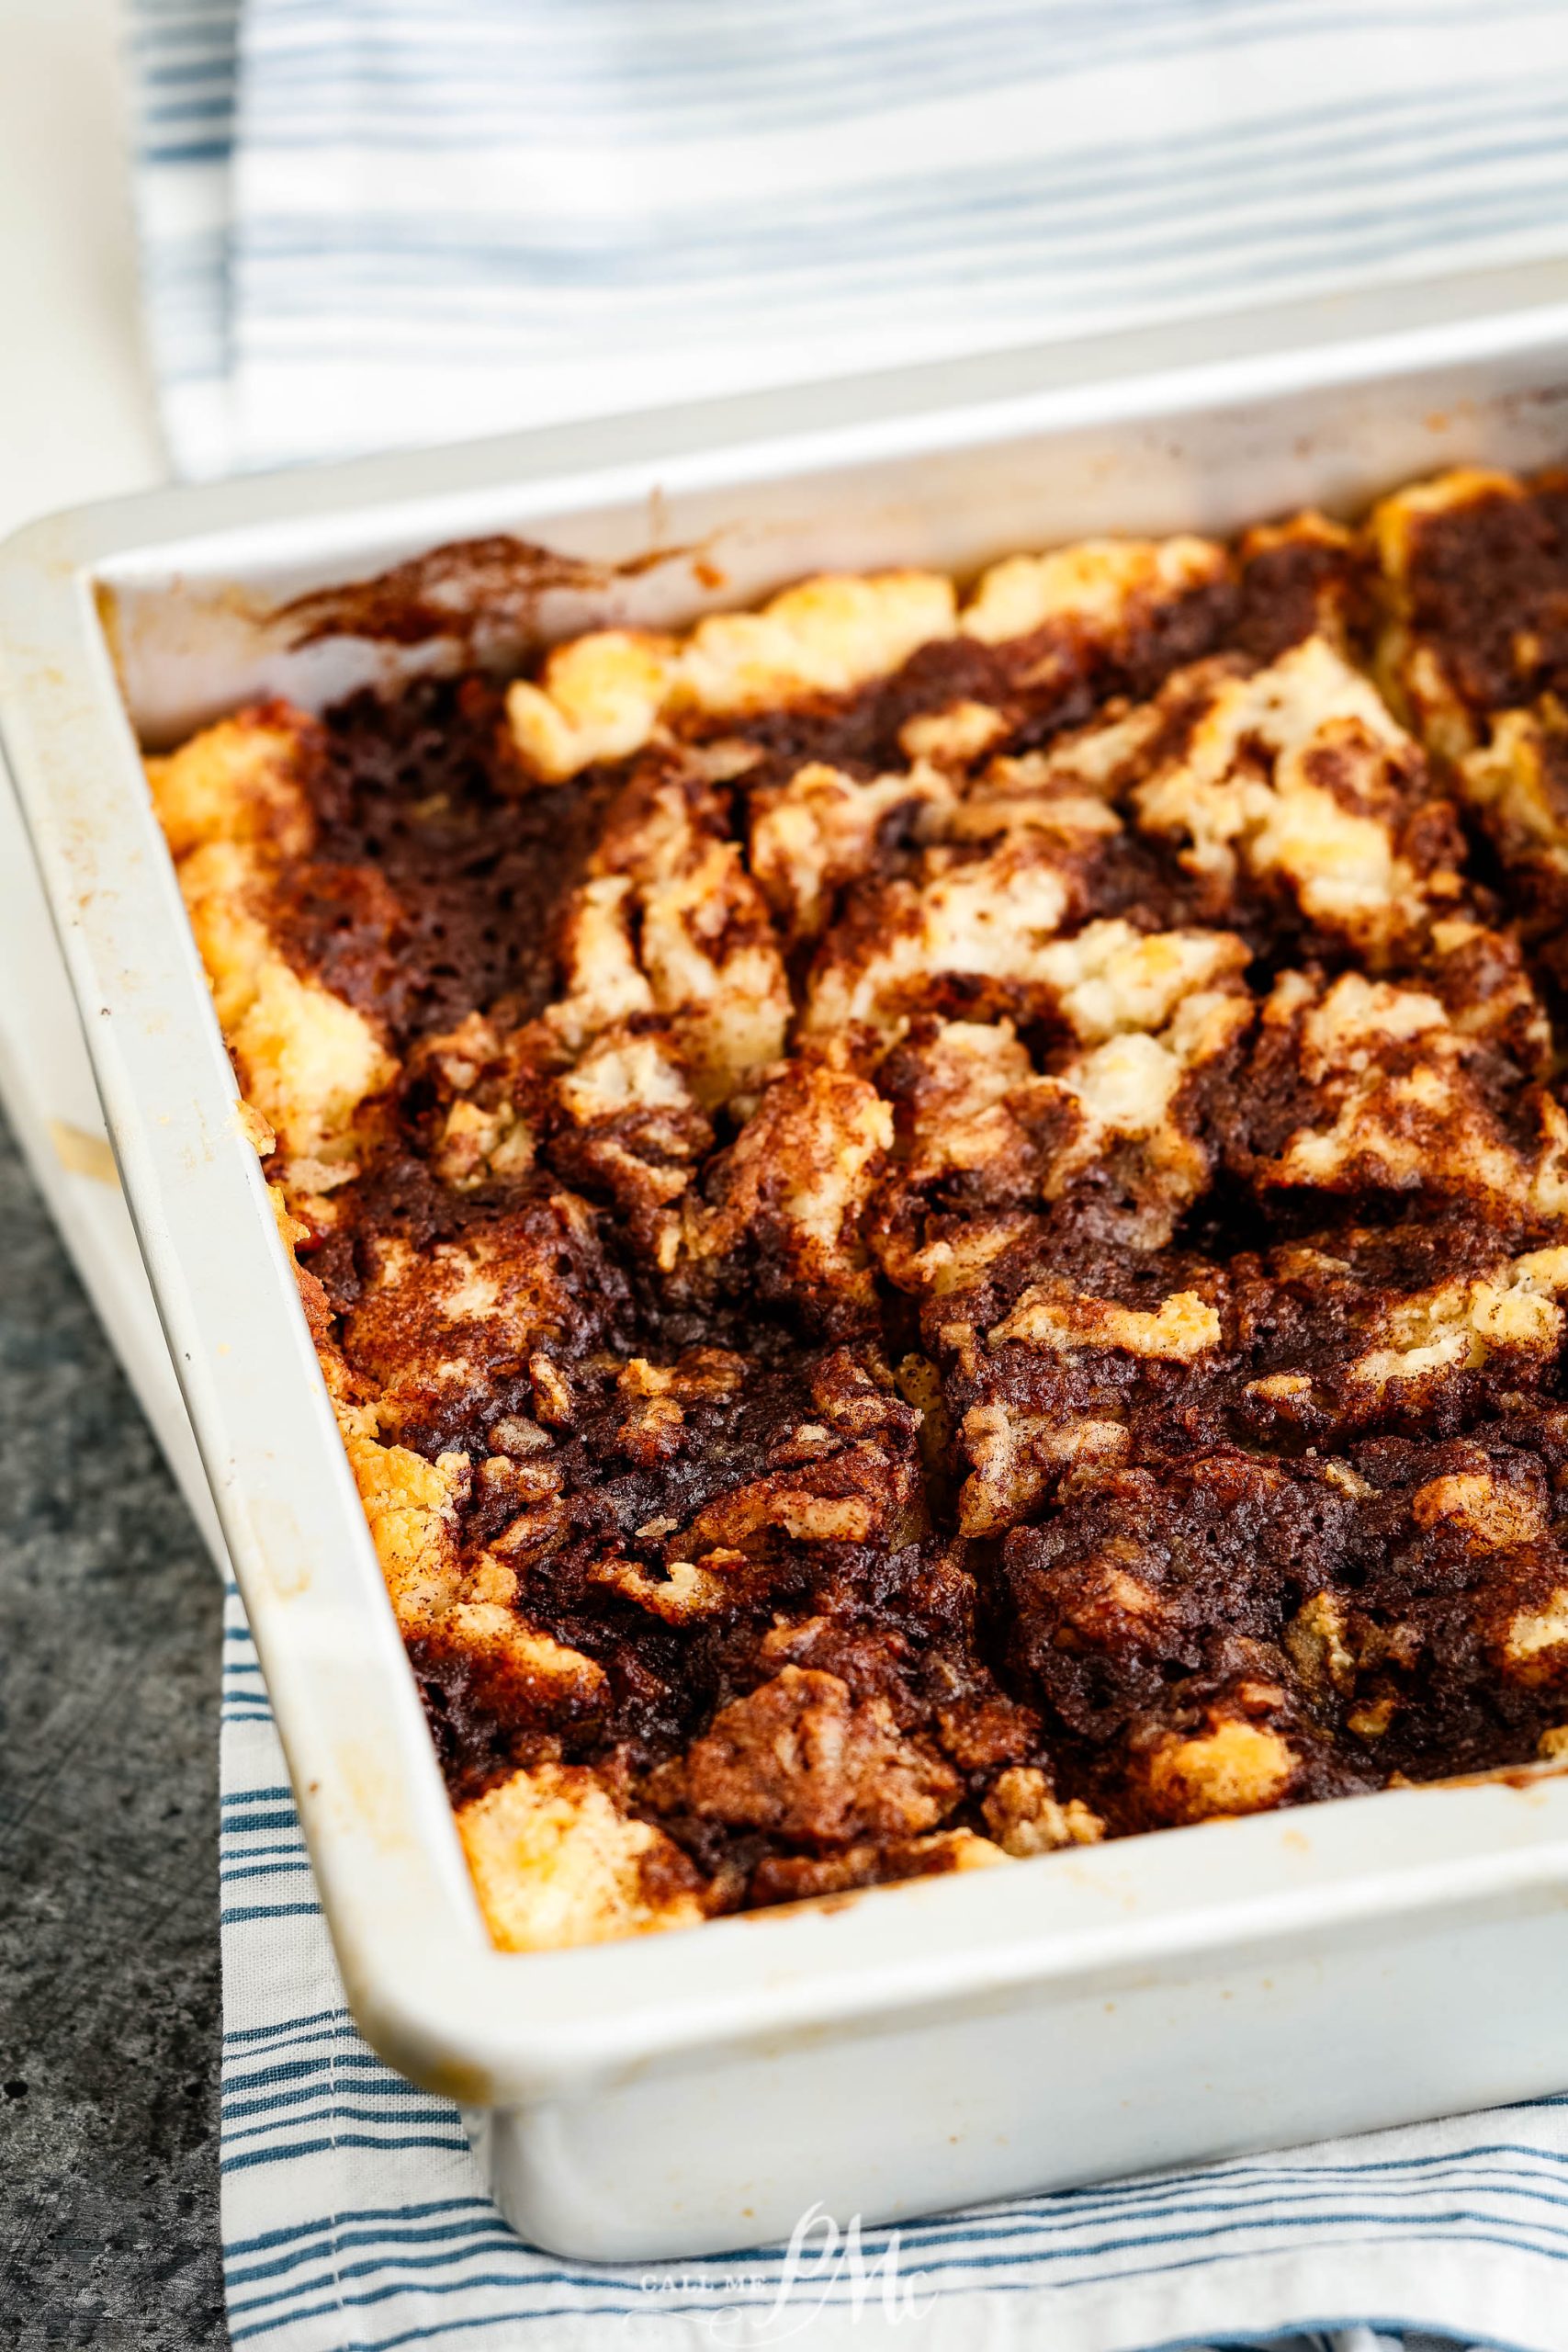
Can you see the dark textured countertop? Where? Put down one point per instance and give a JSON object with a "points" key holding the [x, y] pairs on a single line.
{"points": [[109, 2016]]}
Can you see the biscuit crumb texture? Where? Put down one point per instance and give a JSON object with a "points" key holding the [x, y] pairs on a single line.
{"points": [[936, 1217]]}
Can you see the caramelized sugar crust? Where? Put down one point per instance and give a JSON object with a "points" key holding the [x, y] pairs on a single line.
{"points": [[938, 1222]]}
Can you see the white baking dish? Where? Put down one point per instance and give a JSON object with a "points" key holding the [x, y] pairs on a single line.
{"points": [[1236, 1986]]}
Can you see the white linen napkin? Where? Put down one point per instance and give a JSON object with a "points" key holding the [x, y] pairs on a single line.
{"points": [[374, 223], [369, 222]]}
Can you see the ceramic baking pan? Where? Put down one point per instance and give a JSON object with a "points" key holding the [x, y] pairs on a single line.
{"points": [[1234, 1985]]}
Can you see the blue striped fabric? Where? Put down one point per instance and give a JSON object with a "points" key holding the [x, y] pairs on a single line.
{"points": [[183, 65], [383, 221]]}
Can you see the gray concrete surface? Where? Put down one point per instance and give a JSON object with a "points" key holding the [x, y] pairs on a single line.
{"points": [[109, 2016]]}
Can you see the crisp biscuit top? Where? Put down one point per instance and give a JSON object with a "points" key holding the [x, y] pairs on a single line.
{"points": [[937, 1214]]}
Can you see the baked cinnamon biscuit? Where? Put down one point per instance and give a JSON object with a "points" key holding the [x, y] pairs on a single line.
{"points": [[936, 1215]]}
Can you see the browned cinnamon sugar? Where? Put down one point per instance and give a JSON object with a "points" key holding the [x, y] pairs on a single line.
{"points": [[938, 1225]]}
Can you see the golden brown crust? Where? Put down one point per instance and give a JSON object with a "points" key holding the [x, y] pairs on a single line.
{"points": [[938, 1222]]}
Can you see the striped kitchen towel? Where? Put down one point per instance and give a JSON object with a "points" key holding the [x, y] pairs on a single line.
{"points": [[355, 2217], [373, 222]]}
